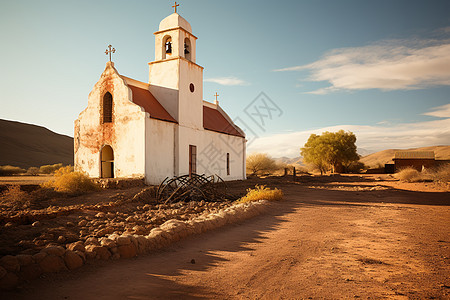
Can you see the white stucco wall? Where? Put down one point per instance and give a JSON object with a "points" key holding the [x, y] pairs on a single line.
{"points": [[212, 149], [159, 150], [125, 134]]}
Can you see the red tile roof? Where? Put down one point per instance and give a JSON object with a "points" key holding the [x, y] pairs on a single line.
{"points": [[145, 99], [214, 120]]}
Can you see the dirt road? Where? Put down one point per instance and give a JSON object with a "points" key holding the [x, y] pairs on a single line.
{"points": [[339, 240]]}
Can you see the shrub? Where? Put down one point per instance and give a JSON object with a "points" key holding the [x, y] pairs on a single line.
{"points": [[68, 181], [14, 197], [409, 174], [10, 170], [33, 171], [441, 174], [49, 169], [261, 192]]}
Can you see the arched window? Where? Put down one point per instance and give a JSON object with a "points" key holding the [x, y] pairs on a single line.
{"points": [[107, 108], [167, 46], [187, 48]]}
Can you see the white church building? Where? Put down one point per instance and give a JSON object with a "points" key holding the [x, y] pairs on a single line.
{"points": [[159, 129]]}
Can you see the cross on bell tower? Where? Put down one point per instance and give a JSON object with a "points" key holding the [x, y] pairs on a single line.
{"points": [[175, 6]]}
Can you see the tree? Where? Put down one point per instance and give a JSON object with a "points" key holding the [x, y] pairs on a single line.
{"points": [[260, 162], [335, 150]]}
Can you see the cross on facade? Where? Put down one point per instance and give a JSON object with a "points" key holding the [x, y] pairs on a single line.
{"points": [[216, 95], [111, 50], [175, 6]]}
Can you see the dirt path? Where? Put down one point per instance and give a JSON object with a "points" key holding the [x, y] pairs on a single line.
{"points": [[317, 243]]}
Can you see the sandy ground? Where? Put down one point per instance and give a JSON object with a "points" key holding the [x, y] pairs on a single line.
{"points": [[352, 237]]}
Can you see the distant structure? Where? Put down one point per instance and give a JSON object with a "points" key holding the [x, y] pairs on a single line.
{"points": [[418, 160], [162, 128]]}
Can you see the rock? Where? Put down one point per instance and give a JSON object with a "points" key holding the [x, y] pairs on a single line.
{"points": [[30, 272], [10, 263], [61, 239], [115, 256], [52, 263], [70, 224], [9, 225], [107, 242], [25, 259], [79, 245], [123, 240], [81, 254], [2, 272], [82, 223], [102, 252], [54, 250], [130, 219], [127, 251], [100, 215], [192, 261], [104, 231], [138, 229], [72, 260], [9, 281], [39, 257], [36, 224], [91, 241]]}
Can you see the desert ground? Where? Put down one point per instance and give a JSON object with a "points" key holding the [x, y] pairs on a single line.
{"points": [[331, 237]]}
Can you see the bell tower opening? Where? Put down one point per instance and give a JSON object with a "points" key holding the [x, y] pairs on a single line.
{"points": [[107, 162], [187, 48], [167, 47]]}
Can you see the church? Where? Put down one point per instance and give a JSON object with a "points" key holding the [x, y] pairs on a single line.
{"points": [[159, 129]]}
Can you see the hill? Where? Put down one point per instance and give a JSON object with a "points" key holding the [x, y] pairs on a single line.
{"points": [[384, 157], [26, 145]]}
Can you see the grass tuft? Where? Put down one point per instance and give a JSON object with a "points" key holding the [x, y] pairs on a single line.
{"points": [[261, 192], [409, 174]]}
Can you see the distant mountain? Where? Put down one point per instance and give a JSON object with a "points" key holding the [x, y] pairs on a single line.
{"points": [[384, 157], [25, 145], [290, 161]]}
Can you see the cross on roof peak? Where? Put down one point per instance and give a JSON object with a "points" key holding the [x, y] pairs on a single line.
{"points": [[175, 6], [109, 51]]}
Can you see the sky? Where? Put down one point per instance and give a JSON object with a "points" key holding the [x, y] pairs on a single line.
{"points": [[282, 69]]}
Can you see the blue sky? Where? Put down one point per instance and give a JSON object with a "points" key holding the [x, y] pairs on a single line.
{"points": [[378, 68]]}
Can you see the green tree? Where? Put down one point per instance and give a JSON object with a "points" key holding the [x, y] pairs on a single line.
{"points": [[335, 150], [260, 162]]}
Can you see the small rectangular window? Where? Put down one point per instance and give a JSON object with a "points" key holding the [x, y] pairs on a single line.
{"points": [[192, 160], [228, 163]]}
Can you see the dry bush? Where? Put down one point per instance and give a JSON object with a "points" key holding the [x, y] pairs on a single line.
{"points": [[33, 171], [261, 192], [441, 174], [409, 174], [49, 169], [68, 181], [10, 170], [260, 163], [14, 197]]}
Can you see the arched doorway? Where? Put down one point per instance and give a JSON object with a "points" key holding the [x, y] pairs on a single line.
{"points": [[107, 159]]}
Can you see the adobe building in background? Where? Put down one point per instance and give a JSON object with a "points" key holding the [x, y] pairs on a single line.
{"points": [[159, 129], [418, 160]]}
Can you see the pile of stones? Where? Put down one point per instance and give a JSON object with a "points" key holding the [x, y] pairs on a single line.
{"points": [[110, 244]]}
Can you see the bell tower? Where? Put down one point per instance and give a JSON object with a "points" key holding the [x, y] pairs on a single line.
{"points": [[174, 77]]}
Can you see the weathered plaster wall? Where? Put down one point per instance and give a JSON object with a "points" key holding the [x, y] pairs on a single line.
{"points": [[125, 134]]}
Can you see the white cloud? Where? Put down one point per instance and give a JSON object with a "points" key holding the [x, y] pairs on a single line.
{"points": [[440, 111], [375, 138], [227, 81], [387, 65]]}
